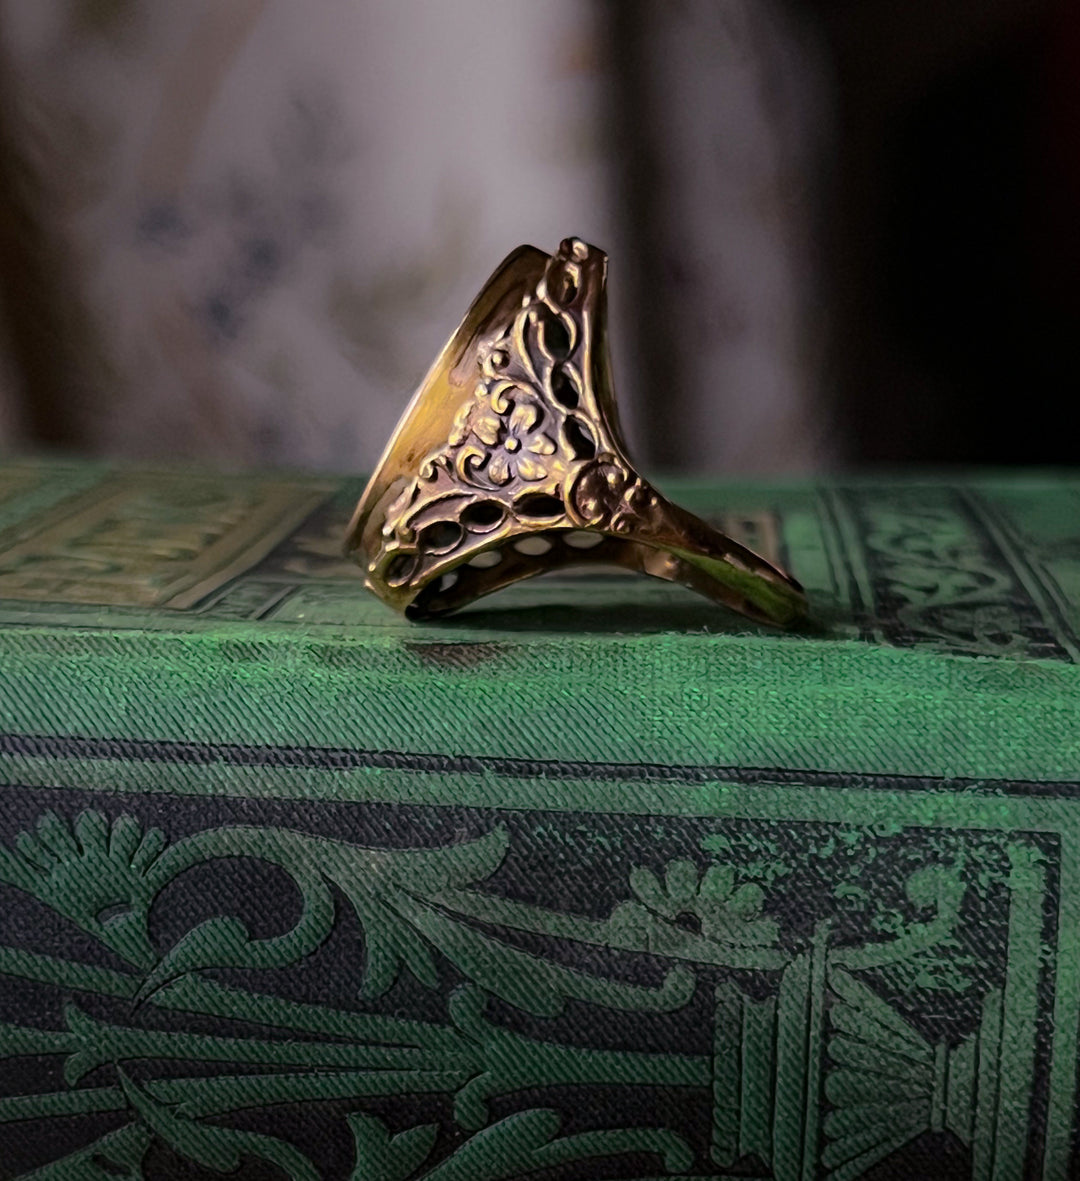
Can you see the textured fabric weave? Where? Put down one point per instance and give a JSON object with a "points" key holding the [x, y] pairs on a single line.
{"points": [[593, 880]]}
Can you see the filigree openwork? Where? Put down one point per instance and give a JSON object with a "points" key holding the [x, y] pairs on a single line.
{"points": [[520, 454]]}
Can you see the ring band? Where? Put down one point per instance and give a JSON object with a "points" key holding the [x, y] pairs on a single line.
{"points": [[509, 461]]}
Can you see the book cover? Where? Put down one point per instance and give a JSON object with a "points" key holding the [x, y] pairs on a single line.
{"points": [[591, 880]]}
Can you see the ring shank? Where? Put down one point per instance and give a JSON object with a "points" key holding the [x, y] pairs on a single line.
{"points": [[701, 559]]}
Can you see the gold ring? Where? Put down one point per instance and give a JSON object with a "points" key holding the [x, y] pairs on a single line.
{"points": [[509, 461]]}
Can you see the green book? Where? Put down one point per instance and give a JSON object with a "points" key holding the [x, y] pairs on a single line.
{"points": [[592, 880]]}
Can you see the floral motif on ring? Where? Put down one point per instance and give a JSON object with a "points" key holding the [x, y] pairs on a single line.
{"points": [[516, 442]]}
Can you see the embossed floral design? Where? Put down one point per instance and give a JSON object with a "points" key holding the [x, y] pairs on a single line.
{"points": [[514, 439], [164, 1072], [710, 902]]}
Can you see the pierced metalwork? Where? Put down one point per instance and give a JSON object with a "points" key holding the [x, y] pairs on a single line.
{"points": [[510, 462]]}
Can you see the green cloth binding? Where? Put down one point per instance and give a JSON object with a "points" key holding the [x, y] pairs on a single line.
{"points": [[592, 880]]}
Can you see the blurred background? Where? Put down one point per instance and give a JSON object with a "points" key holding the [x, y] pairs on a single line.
{"points": [[842, 233]]}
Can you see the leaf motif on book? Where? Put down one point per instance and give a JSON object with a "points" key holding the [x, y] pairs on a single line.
{"points": [[97, 874], [217, 1148]]}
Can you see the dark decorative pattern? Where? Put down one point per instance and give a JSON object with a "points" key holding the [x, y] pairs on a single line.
{"points": [[394, 991], [938, 576]]}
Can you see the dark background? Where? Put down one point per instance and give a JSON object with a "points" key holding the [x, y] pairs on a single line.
{"points": [[945, 227], [918, 216]]}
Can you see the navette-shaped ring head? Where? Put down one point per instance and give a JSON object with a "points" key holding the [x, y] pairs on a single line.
{"points": [[509, 461]]}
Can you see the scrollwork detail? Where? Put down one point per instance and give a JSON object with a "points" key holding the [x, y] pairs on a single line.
{"points": [[431, 916], [511, 433], [605, 494]]}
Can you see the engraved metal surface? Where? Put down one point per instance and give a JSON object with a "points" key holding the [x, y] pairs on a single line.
{"points": [[510, 462]]}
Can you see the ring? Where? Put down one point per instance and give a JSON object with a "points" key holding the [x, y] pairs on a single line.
{"points": [[509, 461]]}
